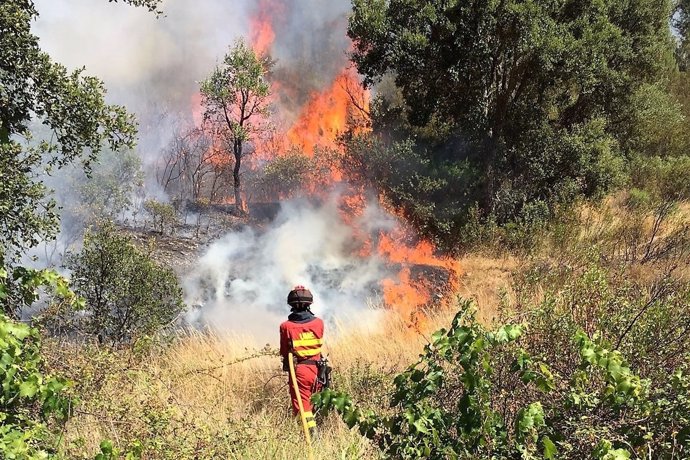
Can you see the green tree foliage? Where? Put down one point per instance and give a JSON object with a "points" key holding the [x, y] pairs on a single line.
{"points": [[29, 398], [70, 105], [72, 111], [657, 123], [536, 98], [163, 215], [431, 195], [235, 100], [285, 174], [664, 178], [108, 190], [293, 172], [127, 294]]}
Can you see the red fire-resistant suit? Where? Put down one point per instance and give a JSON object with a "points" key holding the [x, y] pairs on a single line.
{"points": [[302, 335]]}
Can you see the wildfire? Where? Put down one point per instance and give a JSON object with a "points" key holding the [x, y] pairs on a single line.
{"points": [[195, 104], [405, 295], [409, 293], [341, 105], [326, 114], [262, 34]]}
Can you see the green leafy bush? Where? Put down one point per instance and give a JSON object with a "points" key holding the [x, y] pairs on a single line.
{"points": [[163, 215], [284, 175], [30, 401], [476, 393], [127, 294]]}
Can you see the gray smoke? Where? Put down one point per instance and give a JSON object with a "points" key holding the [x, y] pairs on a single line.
{"points": [[242, 282], [150, 65], [153, 65]]}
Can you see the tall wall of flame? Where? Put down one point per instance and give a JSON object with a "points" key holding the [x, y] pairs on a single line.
{"points": [[153, 66]]}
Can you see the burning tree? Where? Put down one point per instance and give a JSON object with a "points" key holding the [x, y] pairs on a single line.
{"points": [[235, 99]]}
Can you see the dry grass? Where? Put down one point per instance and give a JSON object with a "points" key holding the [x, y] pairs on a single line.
{"points": [[205, 395], [486, 280], [208, 396]]}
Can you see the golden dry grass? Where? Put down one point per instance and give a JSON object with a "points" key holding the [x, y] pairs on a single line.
{"points": [[485, 280], [205, 390], [207, 395]]}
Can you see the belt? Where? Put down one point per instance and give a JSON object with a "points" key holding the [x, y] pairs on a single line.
{"points": [[307, 361]]}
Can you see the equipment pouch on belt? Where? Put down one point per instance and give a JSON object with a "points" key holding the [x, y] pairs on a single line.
{"points": [[323, 375]]}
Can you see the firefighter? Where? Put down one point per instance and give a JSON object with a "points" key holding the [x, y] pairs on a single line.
{"points": [[302, 335]]}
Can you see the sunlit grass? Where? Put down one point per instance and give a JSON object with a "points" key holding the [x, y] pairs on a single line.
{"points": [[203, 392]]}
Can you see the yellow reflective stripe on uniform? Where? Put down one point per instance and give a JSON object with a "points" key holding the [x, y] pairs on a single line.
{"points": [[310, 352], [311, 422], [306, 342]]}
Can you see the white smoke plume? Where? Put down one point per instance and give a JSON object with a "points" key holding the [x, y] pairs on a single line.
{"points": [[153, 65], [241, 283]]}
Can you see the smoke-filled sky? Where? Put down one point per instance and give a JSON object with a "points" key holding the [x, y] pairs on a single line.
{"points": [[147, 61], [153, 65], [242, 282]]}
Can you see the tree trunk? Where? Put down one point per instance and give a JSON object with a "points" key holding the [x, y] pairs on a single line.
{"points": [[239, 205]]}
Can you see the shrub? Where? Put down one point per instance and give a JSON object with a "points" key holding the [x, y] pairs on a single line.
{"points": [[285, 175], [163, 215], [476, 393], [664, 178], [127, 294]]}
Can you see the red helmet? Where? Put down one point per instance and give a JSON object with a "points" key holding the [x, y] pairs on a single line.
{"points": [[300, 297]]}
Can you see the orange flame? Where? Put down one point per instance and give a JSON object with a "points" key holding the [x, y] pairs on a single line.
{"points": [[406, 294], [262, 34], [326, 115]]}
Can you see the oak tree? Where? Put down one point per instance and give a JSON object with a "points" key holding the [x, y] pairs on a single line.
{"points": [[67, 108], [235, 98], [534, 99]]}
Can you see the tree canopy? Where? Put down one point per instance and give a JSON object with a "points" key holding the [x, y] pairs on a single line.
{"points": [[49, 117], [77, 121], [127, 294], [540, 99]]}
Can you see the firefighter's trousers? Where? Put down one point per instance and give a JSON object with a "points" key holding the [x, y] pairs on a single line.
{"points": [[306, 376]]}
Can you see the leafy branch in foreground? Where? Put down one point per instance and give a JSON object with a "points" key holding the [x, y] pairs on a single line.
{"points": [[475, 393], [29, 398]]}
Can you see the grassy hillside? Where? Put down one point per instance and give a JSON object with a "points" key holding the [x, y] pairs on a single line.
{"points": [[213, 396], [204, 395]]}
